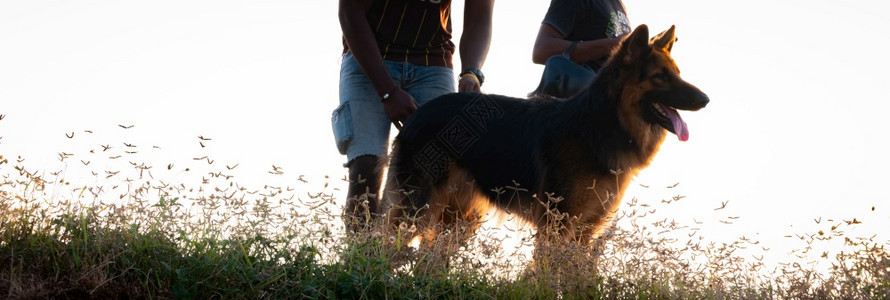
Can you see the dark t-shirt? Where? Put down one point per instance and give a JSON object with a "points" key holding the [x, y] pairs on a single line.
{"points": [[414, 31], [587, 20]]}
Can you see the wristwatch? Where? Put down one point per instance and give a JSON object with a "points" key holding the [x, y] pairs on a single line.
{"points": [[475, 72]]}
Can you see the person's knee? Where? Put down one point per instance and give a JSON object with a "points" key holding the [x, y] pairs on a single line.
{"points": [[365, 165]]}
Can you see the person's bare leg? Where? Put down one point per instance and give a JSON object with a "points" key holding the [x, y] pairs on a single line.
{"points": [[365, 173]]}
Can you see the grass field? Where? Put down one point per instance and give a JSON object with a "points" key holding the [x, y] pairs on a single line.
{"points": [[131, 235]]}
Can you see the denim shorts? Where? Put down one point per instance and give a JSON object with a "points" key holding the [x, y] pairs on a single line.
{"points": [[359, 122]]}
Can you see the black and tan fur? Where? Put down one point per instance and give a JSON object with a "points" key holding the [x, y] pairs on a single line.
{"points": [[462, 154]]}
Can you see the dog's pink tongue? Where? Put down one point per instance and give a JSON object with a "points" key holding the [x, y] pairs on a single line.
{"points": [[680, 127]]}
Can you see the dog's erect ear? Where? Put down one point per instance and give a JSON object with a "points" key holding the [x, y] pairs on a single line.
{"points": [[664, 40], [636, 45]]}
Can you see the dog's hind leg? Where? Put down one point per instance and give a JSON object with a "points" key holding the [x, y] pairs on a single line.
{"points": [[409, 199], [432, 201], [454, 204], [403, 189], [456, 207]]}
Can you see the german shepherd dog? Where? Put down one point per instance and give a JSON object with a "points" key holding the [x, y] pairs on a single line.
{"points": [[462, 154]]}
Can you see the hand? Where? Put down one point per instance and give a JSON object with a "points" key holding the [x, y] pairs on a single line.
{"points": [[468, 84], [399, 107]]}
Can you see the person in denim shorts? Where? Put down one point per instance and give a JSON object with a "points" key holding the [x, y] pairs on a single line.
{"points": [[397, 55]]}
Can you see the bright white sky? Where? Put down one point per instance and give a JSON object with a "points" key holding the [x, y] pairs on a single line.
{"points": [[795, 129]]}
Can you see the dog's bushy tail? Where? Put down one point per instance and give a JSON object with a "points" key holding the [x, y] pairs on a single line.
{"points": [[406, 190]]}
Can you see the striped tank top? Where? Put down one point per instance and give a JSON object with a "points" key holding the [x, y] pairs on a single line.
{"points": [[414, 31]]}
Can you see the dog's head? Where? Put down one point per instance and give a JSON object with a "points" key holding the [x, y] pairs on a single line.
{"points": [[653, 90]]}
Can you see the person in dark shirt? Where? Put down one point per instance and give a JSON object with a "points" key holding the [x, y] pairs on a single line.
{"points": [[594, 26], [397, 55]]}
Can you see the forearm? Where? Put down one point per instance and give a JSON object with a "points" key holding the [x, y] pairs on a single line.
{"points": [[592, 50], [362, 43], [547, 46], [584, 51], [550, 42], [476, 37]]}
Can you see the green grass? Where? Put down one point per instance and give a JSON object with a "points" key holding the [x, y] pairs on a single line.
{"points": [[219, 240]]}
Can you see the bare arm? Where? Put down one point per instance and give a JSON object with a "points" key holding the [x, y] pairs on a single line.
{"points": [[550, 42], [362, 44], [475, 40]]}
